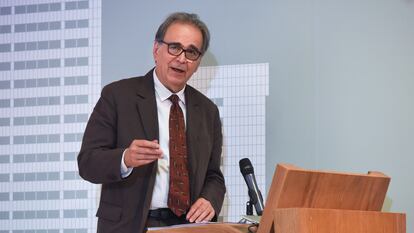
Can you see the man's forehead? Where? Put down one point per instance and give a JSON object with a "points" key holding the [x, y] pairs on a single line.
{"points": [[184, 33]]}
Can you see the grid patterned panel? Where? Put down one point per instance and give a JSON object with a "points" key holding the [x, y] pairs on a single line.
{"points": [[240, 92], [50, 80]]}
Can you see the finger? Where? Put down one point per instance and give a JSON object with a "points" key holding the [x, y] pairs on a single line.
{"points": [[193, 209], [211, 215], [146, 157], [145, 143], [134, 159], [194, 216], [148, 151], [140, 153], [135, 154], [202, 216], [198, 212], [138, 162], [142, 150]]}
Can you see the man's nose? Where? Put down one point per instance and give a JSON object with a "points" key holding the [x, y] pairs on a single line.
{"points": [[181, 58]]}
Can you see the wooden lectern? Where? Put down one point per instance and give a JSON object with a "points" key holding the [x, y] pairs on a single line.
{"points": [[309, 201]]}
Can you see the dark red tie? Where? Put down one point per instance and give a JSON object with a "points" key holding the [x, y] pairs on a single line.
{"points": [[179, 192]]}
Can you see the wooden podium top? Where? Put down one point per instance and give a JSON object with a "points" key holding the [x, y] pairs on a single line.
{"points": [[203, 228], [295, 187]]}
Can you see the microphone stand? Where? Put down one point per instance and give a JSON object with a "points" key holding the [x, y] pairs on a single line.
{"points": [[249, 207]]}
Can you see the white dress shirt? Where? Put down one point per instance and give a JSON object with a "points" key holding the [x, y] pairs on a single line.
{"points": [[161, 187]]}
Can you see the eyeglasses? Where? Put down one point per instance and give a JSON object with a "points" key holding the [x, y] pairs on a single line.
{"points": [[176, 49]]}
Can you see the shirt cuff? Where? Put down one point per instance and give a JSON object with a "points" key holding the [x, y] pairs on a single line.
{"points": [[125, 171]]}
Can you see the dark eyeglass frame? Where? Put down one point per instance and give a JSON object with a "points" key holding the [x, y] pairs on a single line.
{"points": [[187, 52]]}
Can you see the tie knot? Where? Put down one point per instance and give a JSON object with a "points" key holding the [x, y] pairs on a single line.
{"points": [[174, 99]]}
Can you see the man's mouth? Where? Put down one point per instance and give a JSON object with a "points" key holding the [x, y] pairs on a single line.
{"points": [[177, 70]]}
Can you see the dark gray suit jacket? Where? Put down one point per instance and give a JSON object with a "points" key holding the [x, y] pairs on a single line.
{"points": [[127, 110]]}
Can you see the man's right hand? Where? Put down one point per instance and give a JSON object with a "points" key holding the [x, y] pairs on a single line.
{"points": [[142, 152]]}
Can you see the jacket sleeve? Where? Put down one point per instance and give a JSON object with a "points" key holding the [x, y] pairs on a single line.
{"points": [[214, 187], [99, 160]]}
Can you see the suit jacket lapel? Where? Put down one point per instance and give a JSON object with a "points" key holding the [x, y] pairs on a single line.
{"points": [[148, 116], [194, 118], [147, 106]]}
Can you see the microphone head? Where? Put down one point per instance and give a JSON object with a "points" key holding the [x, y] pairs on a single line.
{"points": [[246, 166]]}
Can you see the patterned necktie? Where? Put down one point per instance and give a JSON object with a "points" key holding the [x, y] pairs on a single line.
{"points": [[179, 192]]}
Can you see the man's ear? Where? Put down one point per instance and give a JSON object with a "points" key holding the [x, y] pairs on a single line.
{"points": [[155, 49], [198, 65]]}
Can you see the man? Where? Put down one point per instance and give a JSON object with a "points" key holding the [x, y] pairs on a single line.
{"points": [[154, 142]]}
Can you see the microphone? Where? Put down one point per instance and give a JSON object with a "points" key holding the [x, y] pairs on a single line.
{"points": [[246, 168]]}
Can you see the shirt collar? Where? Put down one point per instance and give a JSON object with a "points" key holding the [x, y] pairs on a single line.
{"points": [[163, 92]]}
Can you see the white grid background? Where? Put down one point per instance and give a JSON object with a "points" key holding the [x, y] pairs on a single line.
{"points": [[240, 92], [92, 90]]}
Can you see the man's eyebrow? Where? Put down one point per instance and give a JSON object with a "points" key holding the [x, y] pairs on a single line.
{"points": [[193, 47]]}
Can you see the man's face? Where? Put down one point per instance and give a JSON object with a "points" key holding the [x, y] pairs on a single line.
{"points": [[175, 71]]}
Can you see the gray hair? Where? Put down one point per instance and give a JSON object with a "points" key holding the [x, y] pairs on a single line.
{"points": [[188, 18]]}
